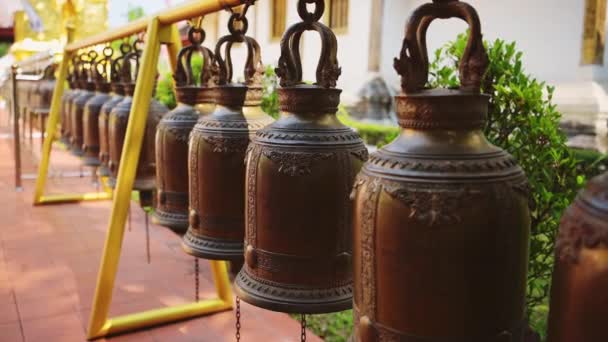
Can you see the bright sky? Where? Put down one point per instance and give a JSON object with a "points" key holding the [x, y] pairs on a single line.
{"points": [[118, 8]]}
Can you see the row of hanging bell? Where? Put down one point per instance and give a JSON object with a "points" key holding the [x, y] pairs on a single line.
{"points": [[299, 175], [441, 216], [101, 73], [194, 99], [87, 86], [218, 145], [117, 95], [579, 293], [145, 181]]}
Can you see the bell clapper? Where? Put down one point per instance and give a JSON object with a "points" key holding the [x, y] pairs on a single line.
{"points": [[147, 236], [238, 319], [196, 280], [303, 324]]}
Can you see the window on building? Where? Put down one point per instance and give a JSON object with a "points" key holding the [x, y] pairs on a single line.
{"points": [[338, 15], [278, 18], [594, 33]]}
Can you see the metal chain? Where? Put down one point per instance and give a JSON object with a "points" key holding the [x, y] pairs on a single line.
{"points": [[196, 279], [248, 3], [238, 319], [303, 333], [147, 238]]}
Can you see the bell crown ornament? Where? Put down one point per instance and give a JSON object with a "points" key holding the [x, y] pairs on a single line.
{"points": [[88, 71], [129, 67], [188, 89], [249, 91], [102, 70], [322, 96], [115, 75], [423, 108]]}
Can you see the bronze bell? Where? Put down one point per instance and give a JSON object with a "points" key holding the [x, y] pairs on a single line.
{"points": [[47, 86], [101, 71], [66, 101], [579, 295], [217, 149], [173, 133], [117, 95], [119, 117], [87, 86], [441, 222], [300, 172]]}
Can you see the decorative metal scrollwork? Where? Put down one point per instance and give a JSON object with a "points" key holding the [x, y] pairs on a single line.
{"points": [[184, 76]]}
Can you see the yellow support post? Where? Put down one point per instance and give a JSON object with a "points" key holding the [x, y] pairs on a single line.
{"points": [[158, 32]]}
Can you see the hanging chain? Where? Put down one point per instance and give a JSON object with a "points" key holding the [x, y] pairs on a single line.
{"points": [[147, 237], [196, 280], [303, 333], [248, 3], [238, 319]]}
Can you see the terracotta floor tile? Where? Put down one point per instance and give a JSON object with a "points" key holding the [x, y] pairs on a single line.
{"points": [[8, 313], [44, 329], [10, 332], [54, 306]]}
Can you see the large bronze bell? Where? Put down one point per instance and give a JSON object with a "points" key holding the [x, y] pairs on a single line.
{"points": [[145, 178], [300, 172], [117, 95], [441, 223], [579, 295], [87, 87], [217, 149], [101, 71], [173, 133]]}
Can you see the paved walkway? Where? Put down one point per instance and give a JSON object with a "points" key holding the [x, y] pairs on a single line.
{"points": [[49, 257]]}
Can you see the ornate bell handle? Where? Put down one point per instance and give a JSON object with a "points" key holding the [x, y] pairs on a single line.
{"points": [[253, 64], [413, 62], [184, 76], [290, 62], [102, 66], [128, 75], [125, 48]]}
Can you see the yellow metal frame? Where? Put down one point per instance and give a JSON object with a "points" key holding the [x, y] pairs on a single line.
{"points": [[160, 30]]}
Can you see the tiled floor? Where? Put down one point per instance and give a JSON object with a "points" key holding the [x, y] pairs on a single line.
{"points": [[49, 257]]}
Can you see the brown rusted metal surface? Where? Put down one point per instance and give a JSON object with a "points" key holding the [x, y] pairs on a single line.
{"points": [[101, 74], [441, 222], [174, 131], [579, 295], [87, 86], [145, 178], [218, 145], [300, 172]]}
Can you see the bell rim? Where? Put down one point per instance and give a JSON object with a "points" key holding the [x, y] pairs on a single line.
{"points": [[229, 251], [91, 161], [246, 293], [177, 222]]}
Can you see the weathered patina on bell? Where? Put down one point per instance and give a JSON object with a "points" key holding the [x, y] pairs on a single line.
{"points": [[441, 221], [145, 178], [579, 294], [117, 95], [218, 144], [300, 172], [101, 72], [87, 87], [174, 131]]}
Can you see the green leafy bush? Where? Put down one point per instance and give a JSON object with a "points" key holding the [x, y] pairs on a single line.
{"points": [[165, 93], [270, 98]]}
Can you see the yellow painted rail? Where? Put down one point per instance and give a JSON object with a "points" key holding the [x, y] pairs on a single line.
{"points": [[160, 30]]}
